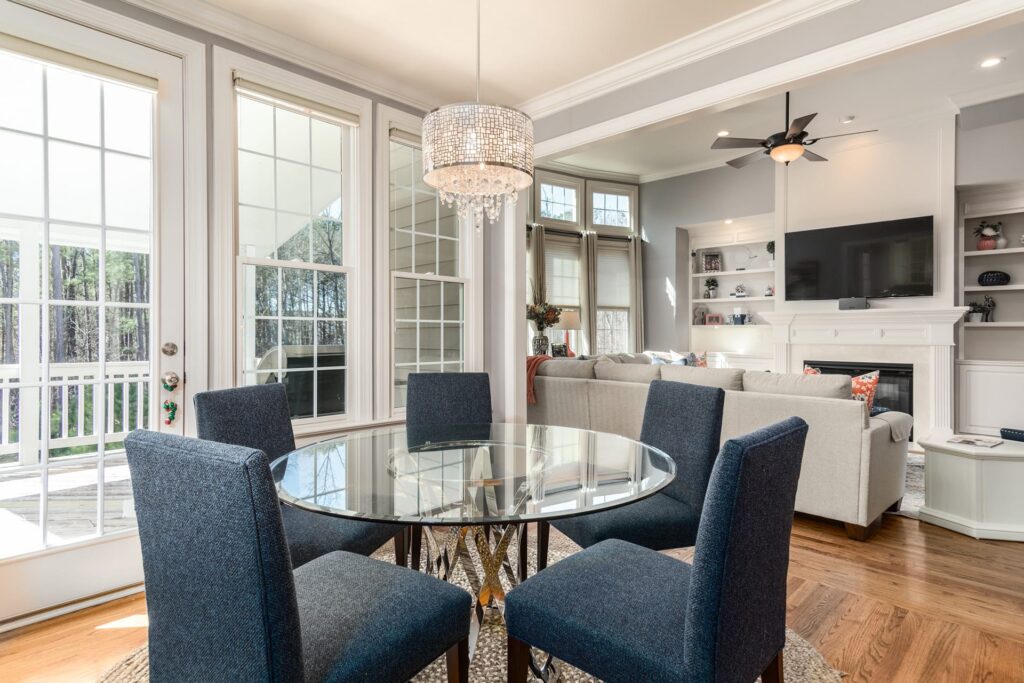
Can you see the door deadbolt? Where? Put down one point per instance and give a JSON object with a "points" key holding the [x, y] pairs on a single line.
{"points": [[169, 349]]}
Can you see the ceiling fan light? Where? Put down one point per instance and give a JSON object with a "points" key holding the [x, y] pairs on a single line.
{"points": [[787, 153]]}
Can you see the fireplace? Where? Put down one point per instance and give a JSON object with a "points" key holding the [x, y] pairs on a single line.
{"points": [[895, 381]]}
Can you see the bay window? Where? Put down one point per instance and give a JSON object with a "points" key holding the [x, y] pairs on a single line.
{"points": [[563, 272], [613, 297], [558, 199], [611, 207]]}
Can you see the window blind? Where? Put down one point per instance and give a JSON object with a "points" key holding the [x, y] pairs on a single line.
{"points": [[51, 55], [405, 137], [562, 272], [613, 285], [258, 91]]}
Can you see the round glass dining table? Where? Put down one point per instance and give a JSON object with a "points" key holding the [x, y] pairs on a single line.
{"points": [[472, 488]]}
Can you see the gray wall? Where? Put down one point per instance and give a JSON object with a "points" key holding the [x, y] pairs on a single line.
{"points": [[665, 205], [991, 154]]}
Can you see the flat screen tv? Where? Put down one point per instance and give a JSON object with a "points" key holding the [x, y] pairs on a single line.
{"points": [[873, 260]]}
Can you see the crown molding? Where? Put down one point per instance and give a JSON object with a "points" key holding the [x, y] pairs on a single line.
{"points": [[725, 35], [971, 98], [685, 169], [927, 27], [204, 16], [592, 174]]}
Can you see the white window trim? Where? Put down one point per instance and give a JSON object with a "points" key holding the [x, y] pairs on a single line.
{"points": [[471, 258], [225, 322], [604, 186], [552, 178]]}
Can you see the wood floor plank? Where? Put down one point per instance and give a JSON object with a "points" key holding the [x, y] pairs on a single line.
{"points": [[915, 603]]}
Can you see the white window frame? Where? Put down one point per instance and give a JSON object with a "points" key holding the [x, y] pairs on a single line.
{"points": [[357, 175], [551, 178], [606, 187], [470, 265]]}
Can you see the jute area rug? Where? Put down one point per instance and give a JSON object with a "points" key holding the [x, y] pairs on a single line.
{"points": [[803, 664]]}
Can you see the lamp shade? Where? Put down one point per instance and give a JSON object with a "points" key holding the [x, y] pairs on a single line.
{"points": [[569, 320]]}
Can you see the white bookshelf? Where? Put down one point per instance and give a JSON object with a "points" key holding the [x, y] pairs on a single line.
{"points": [[742, 246]]}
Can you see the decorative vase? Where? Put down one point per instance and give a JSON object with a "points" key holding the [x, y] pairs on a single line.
{"points": [[710, 292], [975, 317], [540, 345], [1001, 242], [994, 278], [986, 243]]}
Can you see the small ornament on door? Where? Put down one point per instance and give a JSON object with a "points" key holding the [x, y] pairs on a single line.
{"points": [[172, 411]]}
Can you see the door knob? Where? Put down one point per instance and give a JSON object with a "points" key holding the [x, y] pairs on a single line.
{"points": [[171, 380]]}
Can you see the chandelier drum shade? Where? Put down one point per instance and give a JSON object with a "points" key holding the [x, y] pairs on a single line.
{"points": [[477, 155]]}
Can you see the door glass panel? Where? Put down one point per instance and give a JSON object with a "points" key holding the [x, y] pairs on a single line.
{"points": [[76, 292]]}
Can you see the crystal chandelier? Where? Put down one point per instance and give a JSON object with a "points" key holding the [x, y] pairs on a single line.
{"points": [[477, 155]]}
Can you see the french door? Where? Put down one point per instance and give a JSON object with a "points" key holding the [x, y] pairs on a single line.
{"points": [[91, 299]]}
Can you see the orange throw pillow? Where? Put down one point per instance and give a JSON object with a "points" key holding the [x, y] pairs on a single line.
{"points": [[808, 370], [864, 388]]}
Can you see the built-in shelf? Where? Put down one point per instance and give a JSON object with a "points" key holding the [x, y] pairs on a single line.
{"points": [[749, 271], [998, 288], [733, 299], [740, 243], [997, 324], [747, 325], [995, 252]]}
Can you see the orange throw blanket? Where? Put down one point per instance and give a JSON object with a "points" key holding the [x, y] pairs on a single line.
{"points": [[532, 365]]}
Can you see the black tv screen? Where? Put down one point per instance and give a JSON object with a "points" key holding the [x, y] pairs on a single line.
{"points": [[873, 260]]}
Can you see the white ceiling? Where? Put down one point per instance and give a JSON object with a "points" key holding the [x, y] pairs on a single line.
{"points": [[912, 83], [529, 47]]}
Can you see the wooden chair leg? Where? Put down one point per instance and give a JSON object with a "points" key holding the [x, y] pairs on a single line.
{"points": [[417, 540], [523, 552], [542, 544], [401, 543], [518, 660], [857, 532], [773, 674], [457, 660]]}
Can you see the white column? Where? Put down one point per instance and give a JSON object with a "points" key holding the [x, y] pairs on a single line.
{"points": [[504, 318], [941, 396]]}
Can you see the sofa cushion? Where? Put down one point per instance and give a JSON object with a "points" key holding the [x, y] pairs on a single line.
{"points": [[822, 386], [576, 369], [627, 358], [627, 372], [723, 378]]}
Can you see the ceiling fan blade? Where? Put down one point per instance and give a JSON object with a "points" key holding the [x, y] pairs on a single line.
{"points": [[841, 135], [742, 161], [798, 125], [736, 143], [811, 156]]}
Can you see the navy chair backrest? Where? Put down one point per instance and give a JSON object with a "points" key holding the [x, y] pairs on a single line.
{"points": [[736, 613], [685, 421], [219, 586], [255, 416], [448, 398]]}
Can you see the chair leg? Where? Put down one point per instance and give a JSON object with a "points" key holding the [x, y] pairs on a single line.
{"points": [[518, 660], [523, 552], [457, 660], [417, 540], [542, 544], [857, 532], [401, 539], [773, 674]]}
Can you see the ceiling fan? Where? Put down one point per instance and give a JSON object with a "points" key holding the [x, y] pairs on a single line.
{"points": [[784, 147]]}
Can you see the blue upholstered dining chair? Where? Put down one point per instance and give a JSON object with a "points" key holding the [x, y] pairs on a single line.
{"points": [[225, 605], [684, 421], [258, 417], [623, 612], [437, 399]]}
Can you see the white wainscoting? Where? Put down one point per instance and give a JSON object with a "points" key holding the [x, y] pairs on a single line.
{"points": [[990, 396]]}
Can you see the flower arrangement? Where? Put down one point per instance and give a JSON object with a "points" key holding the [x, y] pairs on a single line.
{"points": [[543, 315], [771, 248], [990, 235], [711, 282]]}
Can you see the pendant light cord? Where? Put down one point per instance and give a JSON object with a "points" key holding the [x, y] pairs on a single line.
{"points": [[478, 51]]}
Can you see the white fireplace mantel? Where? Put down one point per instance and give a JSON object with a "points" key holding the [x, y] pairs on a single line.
{"points": [[934, 328]]}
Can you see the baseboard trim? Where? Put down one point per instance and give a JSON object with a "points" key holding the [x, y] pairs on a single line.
{"points": [[969, 527], [69, 607]]}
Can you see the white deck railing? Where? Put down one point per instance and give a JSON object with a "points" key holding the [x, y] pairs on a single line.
{"points": [[76, 385]]}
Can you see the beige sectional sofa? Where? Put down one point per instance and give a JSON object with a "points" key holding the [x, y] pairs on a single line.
{"points": [[854, 467]]}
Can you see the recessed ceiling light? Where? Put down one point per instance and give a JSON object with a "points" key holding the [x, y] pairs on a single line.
{"points": [[847, 119], [728, 221], [991, 62], [723, 133]]}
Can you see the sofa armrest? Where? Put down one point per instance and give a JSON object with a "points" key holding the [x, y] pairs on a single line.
{"points": [[883, 471]]}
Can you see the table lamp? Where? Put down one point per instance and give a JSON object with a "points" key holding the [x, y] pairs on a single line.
{"points": [[569, 320]]}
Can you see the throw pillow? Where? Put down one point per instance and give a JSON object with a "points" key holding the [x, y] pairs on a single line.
{"points": [[864, 388], [808, 370], [701, 361]]}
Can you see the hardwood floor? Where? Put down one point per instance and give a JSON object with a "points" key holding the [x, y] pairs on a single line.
{"points": [[915, 603]]}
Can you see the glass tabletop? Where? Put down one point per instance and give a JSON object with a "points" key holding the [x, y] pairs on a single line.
{"points": [[470, 474]]}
